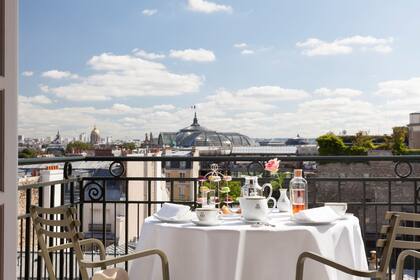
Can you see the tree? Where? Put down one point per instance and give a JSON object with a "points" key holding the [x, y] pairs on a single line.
{"points": [[28, 153], [129, 146], [399, 136], [78, 147], [362, 139], [331, 145]]}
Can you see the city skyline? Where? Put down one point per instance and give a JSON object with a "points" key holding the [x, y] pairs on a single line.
{"points": [[260, 70]]}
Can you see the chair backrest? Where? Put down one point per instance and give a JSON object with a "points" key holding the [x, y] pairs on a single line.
{"points": [[394, 232], [57, 223]]}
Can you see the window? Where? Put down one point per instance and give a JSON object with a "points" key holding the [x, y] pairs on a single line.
{"points": [[181, 192], [181, 175], [182, 165]]}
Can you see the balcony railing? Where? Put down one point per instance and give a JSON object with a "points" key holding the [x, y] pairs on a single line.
{"points": [[113, 203]]}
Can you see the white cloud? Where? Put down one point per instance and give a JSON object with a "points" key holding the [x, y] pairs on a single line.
{"points": [[56, 74], [400, 88], [149, 12], [126, 75], [257, 111], [27, 73], [272, 93], [207, 7], [197, 55], [148, 55], [339, 92], [317, 47], [247, 51], [240, 45], [37, 99]]}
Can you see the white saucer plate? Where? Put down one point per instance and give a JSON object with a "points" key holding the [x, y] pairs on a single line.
{"points": [[229, 217], [207, 223]]}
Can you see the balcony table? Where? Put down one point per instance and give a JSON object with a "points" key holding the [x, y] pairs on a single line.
{"points": [[238, 251]]}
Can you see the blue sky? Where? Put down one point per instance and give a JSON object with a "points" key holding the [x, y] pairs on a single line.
{"points": [[263, 68]]}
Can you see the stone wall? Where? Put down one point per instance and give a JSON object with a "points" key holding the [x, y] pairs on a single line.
{"points": [[364, 191]]}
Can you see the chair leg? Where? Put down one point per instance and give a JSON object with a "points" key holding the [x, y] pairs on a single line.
{"points": [[165, 265], [299, 267]]}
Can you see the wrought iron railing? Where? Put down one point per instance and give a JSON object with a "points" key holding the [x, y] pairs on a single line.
{"points": [[112, 206]]}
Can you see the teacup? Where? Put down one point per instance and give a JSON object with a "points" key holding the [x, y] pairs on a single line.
{"points": [[255, 207], [339, 207], [207, 214]]}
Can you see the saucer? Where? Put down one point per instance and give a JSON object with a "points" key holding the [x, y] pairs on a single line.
{"points": [[232, 216], [207, 223]]}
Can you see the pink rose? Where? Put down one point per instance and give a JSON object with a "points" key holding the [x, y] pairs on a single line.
{"points": [[272, 165]]}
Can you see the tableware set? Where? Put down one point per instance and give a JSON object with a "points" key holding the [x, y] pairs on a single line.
{"points": [[207, 217], [254, 206]]}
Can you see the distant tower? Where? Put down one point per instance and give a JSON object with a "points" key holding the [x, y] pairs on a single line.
{"points": [[414, 131], [146, 138], [151, 137], [57, 139], [95, 137]]}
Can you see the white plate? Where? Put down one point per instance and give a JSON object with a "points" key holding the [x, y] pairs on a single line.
{"points": [[185, 219], [232, 216], [207, 224]]}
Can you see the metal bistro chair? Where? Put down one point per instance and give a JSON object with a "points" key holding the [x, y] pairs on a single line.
{"points": [[391, 231], [68, 225]]}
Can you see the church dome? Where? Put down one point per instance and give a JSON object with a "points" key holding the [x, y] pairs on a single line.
{"points": [[95, 131], [95, 137]]}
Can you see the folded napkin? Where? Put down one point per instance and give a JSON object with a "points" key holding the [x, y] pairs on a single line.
{"points": [[173, 211], [316, 215]]}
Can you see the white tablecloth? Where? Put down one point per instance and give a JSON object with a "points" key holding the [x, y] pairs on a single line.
{"points": [[241, 252]]}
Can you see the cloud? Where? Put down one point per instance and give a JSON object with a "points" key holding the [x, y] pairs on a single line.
{"points": [[38, 99], [197, 55], [149, 12], [147, 55], [246, 51], [207, 7], [257, 111], [56, 74], [400, 88], [339, 92], [27, 73], [240, 45], [317, 47], [250, 99], [116, 76]]}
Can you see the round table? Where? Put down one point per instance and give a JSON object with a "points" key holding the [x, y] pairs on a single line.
{"points": [[239, 251]]}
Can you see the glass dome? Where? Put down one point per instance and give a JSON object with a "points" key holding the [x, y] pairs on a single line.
{"points": [[196, 135]]}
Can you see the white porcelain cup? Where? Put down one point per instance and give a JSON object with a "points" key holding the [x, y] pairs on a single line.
{"points": [[207, 214], [339, 207], [255, 207]]}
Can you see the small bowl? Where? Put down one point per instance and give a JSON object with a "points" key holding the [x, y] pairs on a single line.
{"points": [[339, 207]]}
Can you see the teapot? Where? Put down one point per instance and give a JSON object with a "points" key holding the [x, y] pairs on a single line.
{"points": [[252, 188]]}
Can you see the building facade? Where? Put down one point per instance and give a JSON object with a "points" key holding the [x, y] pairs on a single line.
{"points": [[414, 131]]}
